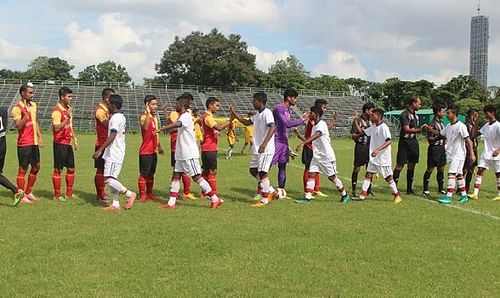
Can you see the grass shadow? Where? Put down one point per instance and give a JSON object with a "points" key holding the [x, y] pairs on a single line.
{"points": [[248, 194]]}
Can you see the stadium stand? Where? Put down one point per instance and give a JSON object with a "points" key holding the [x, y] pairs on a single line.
{"points": [[87, 96]]}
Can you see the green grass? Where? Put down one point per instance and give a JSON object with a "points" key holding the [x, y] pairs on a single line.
{"points": [[373, 248]]}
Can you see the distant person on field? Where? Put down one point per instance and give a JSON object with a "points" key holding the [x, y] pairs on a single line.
{"points": [[101, 116], [324, 160], [28, 142], [408, 147], [150, 146], [63, 141], [457, 138], [114, 155], [380, 154], [231, 139], [198, 132], [362, 144], [263, 145], [4, 181], [490, 157], [187, 156], [436, 152], [248, 134]]}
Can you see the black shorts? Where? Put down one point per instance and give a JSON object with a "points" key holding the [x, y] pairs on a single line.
{"points": [[28, 155], [147, 164], [469, 165], [361, 155], [63, 156], [307, 155], [436, 156], [408, 151], [3, 151], [172, 159], [99, 162], [209, 160]]}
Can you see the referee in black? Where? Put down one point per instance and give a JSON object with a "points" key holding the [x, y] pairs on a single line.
{"points": [[18, 194], [408, 150], [436, 153]]}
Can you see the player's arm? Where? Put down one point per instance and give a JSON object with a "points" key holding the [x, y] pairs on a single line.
{"points": [[299, 135], [382, 146], [109, 140], [470, 147], [170, 126], [270, 134], [331, 123], [57, 122], [405, 123], [19, 121], [242, 120], [39, 134], [311, 139], [287, 122], [144, 120]]}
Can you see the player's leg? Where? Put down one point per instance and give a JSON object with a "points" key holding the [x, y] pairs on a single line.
{"points": [[175, 186], [24, 157], [99, 184], [481, 169], [264, 164], [111, 173], [401, 160], [497, 176], [35, 168], [370, 170], [386, 172], [150, 179], [69, 163], [144, 171], [330, 170], [452, 181], [56, 174]]}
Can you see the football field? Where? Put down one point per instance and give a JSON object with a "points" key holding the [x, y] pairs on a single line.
{"points": [[371, 248]]}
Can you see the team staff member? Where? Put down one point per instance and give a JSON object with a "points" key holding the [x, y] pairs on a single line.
{"points": [[28, 142], [408, 151], [101, 115], [436, 152], [63, 136]]}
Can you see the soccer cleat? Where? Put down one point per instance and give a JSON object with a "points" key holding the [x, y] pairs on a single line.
{"points": [[167, 206], [257, 197], [216, 204], [397, 199], [111, 208], [426, 193], [320, 193], [445, 200], [463, 199], [30, 197], [443, 192], [473, 196], [410, 192], [345, 199], [303, 201], [18, 197], [497, 198], [130, 201], [152, 197], [25, 200], [60, 199], [189, 196], [259, 204]]}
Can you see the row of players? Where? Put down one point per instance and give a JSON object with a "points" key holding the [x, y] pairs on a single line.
{"points": [[270, 146]]}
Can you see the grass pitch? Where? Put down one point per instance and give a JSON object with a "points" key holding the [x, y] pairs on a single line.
{"points": [[372, 248]]}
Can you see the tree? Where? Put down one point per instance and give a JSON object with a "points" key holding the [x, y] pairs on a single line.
{"points": [[466, 87], [326, 82], [11, 74], [288, 73], [208, 59], [443, 97], [45, 68], [107, 71]]}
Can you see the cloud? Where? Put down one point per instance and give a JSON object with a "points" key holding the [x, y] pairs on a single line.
{"points": [[441, 77], [341, 64], [264, 60], [13, 54]]}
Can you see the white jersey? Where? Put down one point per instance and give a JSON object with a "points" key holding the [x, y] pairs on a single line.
{"points": [[186, 147], [379, 134], [455, 134], [115, 152], [262, 123], [322, 147], [491, 133]]}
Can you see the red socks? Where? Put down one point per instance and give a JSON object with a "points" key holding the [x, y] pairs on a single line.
{"points": [[70, 181], [212, 180], [150, 181], [56, 181], [20, 178], [142, 182], [186, 180], [305, 177], [100, 186], [31, 181]]}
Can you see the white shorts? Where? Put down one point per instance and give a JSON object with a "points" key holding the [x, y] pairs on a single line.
{"points": [[456, 166], [325, 168], [112, 169], [489, 163], [262, 162], [385, 171], [190, 167]]}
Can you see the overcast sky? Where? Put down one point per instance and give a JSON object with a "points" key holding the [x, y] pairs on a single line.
{"points": [[374, 40]]}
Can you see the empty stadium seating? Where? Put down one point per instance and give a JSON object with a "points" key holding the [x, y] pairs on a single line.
{"points": [[88, 96]]}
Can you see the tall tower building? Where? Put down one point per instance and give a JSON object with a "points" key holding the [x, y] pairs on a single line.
{"points": [[479, 35]]}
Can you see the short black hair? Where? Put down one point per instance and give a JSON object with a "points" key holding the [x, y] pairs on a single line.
{"points": [[367, 106], [320, 101], [490, 108], [25, 87], [211, 100], [149, 98], [195, 110], [184, 101], [379, 111], [187, 95], [64, 90], [454, 108], [436, 108], [260, 96], [316, 109], [116, 100], [106, 92], [413, 99], [290, 92]]}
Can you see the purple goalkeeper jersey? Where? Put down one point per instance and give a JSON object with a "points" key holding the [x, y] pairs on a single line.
{"points": [[283, 122]]}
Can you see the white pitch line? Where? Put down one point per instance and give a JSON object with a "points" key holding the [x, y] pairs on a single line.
{"points": [[458, 207]]}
